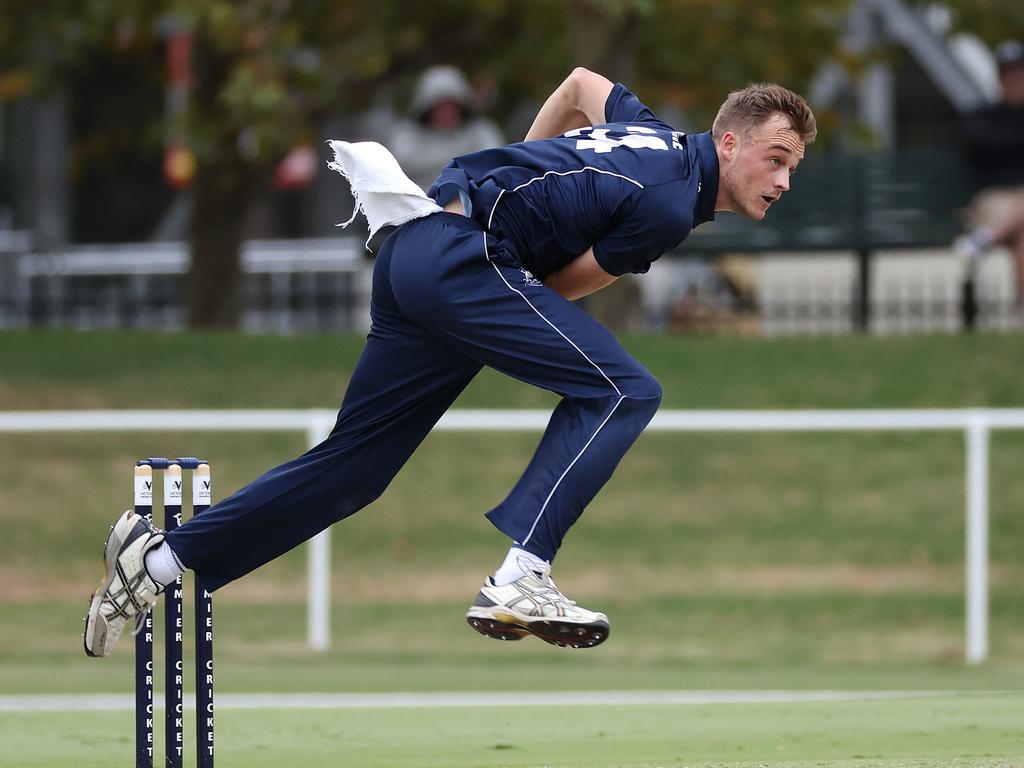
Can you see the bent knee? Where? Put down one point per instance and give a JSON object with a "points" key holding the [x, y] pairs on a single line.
{"points": [[644, 391]]}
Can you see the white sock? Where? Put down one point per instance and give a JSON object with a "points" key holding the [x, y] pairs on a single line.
{"points": [[518, 563], [163, 565]]}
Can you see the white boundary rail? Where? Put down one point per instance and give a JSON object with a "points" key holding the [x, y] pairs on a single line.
{"points": [[976, 423]]}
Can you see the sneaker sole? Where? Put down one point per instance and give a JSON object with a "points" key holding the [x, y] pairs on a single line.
{"points": [[502, 625], [96, 626], [93, 619]]}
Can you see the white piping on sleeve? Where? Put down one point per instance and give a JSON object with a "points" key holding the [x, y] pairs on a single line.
{"points": [[570, 173], [544, 175]]}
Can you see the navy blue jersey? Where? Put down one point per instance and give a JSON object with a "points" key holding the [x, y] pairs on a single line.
{"points": [[632, 188]]}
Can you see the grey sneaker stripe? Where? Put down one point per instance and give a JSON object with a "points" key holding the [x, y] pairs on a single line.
{"points": [[483, 601], [139, 529]]}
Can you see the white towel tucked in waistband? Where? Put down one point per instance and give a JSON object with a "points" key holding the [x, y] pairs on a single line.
{"points": [[386, 196]]}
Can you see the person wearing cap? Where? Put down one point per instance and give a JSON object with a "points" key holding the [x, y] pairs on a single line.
{"points": [[445, 123], [995, 149]]}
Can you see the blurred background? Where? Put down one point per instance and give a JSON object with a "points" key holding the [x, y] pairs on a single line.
{"points": [[163, 169], [162, 165]]}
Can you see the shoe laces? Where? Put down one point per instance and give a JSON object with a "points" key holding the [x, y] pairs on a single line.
{"points": [[545, 578], [555, 587]]}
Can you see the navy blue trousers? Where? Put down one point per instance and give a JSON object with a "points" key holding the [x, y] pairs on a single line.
{"points": [[446, 301]]}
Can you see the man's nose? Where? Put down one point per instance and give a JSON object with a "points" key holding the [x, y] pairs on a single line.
{"points": [[782, 181]]}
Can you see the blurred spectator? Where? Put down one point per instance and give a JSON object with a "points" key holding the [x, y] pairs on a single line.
{"points": [[445, 123], [995, 144]]}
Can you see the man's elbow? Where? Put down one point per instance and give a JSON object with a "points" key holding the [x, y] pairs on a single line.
{"points": [[580, 73], [588, 92], [571, 89], [580, 79]]}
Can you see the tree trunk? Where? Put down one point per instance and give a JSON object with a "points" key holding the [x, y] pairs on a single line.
{"points": [[601, 37], [214, 286], [222, 194]]}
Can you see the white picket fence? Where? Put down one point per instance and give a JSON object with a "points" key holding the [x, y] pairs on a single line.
{"points": [[976, 424]]}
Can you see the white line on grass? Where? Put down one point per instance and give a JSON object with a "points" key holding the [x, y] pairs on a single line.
{"points": [[120, 702]]}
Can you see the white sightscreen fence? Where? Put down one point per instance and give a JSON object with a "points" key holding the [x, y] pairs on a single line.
{"points": [[975, 423]]}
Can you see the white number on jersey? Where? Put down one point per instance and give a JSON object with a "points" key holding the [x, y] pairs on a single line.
{"points": [[598, 139]]}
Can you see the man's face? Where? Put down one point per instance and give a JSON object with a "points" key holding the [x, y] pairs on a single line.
{"points": [[445, 115], [757, 166]]}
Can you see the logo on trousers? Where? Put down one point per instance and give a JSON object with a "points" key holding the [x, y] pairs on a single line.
{"points": [[529, 281]]}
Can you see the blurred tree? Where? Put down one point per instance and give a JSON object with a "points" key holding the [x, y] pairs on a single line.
{"points": [[992, 20], [265, 73], [695, 52], [115, 145]]}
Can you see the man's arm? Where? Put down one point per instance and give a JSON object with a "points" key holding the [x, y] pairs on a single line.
{"points": [[578, 102], [580, 277]]}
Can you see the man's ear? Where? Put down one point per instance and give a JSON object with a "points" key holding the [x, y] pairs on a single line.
{"points": [[729, 145]]}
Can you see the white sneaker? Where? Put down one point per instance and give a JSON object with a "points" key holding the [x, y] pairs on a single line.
{"points": [[127, 589], [533, 605]]}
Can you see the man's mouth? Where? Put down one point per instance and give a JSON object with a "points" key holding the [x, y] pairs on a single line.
{"points": [[768, 199]]}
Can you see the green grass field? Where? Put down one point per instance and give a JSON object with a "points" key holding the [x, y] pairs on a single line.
{"points": [[725, 562], [964, 730]]}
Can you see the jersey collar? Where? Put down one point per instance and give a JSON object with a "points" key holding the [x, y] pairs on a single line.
{"points": [[707, 192]]}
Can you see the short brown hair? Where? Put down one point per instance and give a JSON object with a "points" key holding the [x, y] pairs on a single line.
{"points": [[751, 106]]}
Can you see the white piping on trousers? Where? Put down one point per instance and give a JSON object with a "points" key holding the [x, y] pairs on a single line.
{"points": [[622, 397]]}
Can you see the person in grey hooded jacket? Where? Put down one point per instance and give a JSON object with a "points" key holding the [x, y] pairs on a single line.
{"points": [[444, 123]]}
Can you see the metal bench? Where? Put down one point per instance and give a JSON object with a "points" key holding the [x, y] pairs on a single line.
{"points": [[860, 202], [290, 285]]}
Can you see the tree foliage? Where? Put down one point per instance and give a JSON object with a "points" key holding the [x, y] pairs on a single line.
{"points": [[281, 65], [696, 51], [992, 20], [266, 73]]}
